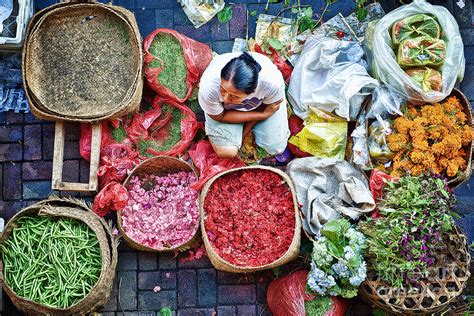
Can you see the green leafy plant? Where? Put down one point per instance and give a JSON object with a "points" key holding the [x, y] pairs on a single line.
{"points": [[360, 10], [416, 215], [225, 15], [337, 266]]}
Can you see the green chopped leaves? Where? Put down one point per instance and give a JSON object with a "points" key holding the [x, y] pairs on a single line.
{"points": [[169, 54], [225, 15]]}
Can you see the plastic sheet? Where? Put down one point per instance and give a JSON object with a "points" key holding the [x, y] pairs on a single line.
{"points": [[208, 163], [324, 135], [384, 64], [117, 160], [330, 75]]}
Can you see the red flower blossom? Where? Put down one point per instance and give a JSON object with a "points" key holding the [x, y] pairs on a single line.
{"points": [[250, 219]]}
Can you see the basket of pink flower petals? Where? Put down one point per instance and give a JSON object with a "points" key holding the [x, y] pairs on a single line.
{"points": [[162, 213]]}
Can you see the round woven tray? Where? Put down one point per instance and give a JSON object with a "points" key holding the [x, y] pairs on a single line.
{"points": [[446, 281], [221, 264], [83, 61], [81, 211], [160, 166]]}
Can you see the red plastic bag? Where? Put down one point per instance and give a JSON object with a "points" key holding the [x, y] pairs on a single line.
{"points": [[112, 197], [208, 163], [116, 162], [86, 139], [286, 297], [197, 56], [284, 68], [158, 132], [296, 125], [376, 183]]}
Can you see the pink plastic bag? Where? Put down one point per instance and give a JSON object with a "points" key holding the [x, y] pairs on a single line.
{"points": [[208, 163]]}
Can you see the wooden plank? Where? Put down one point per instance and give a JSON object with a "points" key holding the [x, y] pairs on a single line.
{"points": [[58, 156], [58, 161]]}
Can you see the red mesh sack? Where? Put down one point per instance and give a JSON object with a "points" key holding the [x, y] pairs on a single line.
{"points": [[284, 68], [208, 163], [161, 130], [286, 297], [296, 125], [197, 56], [112, 197]]}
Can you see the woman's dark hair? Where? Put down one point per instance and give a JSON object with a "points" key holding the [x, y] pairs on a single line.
{"points": [[242, 72]]}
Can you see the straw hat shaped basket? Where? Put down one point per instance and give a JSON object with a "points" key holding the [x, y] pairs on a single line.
{"points": [[159, 166], [82, 62], [222, 264], [446, 281], [108, 243]]}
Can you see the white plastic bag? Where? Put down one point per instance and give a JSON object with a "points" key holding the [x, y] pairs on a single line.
{"points": [[331, 76], [6, 8], [384, 65]]}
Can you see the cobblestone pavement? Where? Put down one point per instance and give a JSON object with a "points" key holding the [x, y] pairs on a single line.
{"points": [[193, 288]]}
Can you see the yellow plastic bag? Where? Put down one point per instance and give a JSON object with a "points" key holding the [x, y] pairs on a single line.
{"points": [[324, 135]]}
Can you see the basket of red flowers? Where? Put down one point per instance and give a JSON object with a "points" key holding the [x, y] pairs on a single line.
{"points": [[250, 219]]}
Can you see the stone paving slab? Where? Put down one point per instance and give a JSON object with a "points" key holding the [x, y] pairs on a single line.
{"points": [[192, 288]]}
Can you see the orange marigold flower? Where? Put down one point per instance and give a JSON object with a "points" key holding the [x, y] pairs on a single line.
{"points": [[452, 169], [467, 135]]}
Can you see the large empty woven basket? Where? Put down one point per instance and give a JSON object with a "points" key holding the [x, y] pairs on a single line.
{"points": [[83, 61]]}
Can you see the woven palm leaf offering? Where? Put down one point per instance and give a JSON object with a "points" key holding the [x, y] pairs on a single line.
{"points": [[418, 262], [415, 26]]}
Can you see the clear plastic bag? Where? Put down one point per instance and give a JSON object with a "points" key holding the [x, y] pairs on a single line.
{"points": [[384, 63]]}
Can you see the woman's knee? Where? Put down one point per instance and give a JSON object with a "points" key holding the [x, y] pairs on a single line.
{"points": [[226, 151]]}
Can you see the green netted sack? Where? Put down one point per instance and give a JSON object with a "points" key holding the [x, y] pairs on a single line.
{"points": [[421, 51], [428, 79], [415, 26]]}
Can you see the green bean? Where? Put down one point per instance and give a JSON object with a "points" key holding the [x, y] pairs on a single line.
{"points": [[50, 260]]}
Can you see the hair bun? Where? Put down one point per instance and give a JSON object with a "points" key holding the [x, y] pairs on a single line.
{"points": [[250, 61]]}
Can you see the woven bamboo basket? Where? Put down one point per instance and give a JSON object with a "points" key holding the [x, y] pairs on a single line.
{"points": [[446, 281], [81, 211], [160, 166], [83, 62], [463, 175], [221, 264]]}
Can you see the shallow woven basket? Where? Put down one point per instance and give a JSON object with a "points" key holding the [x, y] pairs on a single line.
{"points": [[83, 62], [81, 211], [463, 175], [160, 166], [221, 264], [446, 281]]}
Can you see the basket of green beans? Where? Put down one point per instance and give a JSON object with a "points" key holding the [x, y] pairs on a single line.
{"points": [[58, 257]]}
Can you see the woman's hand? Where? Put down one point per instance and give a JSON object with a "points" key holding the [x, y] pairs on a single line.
{"points": [[271, 108]]}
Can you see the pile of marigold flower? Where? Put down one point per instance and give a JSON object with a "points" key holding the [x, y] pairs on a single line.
{"points": [[250, 217], [162, 211], [431, 138]]}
